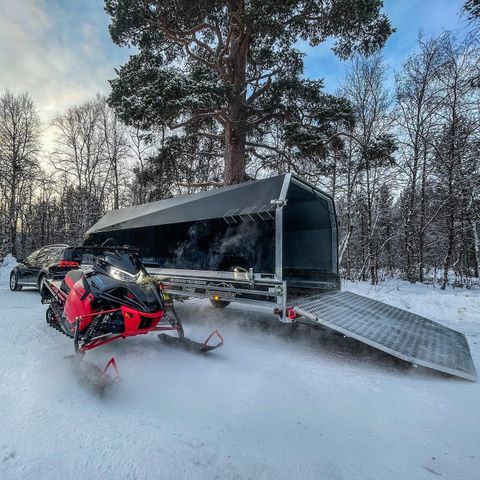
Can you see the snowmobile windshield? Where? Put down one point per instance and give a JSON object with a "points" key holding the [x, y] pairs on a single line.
{"points": [[122, 266]]}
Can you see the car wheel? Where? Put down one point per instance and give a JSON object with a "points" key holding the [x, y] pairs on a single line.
{"points": [[41, 278], [14, 286]]}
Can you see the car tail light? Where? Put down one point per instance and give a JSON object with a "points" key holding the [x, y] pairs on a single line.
{"points": [[68, 263]]}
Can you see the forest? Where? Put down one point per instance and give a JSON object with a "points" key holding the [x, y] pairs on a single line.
{"points": [[217, 97]]}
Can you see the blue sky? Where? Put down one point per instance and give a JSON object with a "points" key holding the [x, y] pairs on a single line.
{"points": [[60, 50], [409, 17]]}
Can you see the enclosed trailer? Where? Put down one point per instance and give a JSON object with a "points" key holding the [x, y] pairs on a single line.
{"points": [[273, 241], [278, 233]]}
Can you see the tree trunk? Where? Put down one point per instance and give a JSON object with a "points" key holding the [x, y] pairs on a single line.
{"points": [[389, 253], [448, 257], [13, 215], [370, 231], [234, 155], [476, 246], [235, 130], [349, 235], [451, 232], [421, 229], [116, 186], [411, 214]]}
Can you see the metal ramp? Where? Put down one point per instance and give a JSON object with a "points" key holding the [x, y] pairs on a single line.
{"points": [[400, 333]]}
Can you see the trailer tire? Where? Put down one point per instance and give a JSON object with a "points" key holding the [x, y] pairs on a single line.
{"points": [[219, 303]]}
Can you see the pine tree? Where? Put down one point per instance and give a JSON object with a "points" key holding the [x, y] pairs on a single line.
{"points": [[229, 71]]}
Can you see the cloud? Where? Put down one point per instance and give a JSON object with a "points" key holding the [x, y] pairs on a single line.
{"points": [[60, 51], [60, 56]]}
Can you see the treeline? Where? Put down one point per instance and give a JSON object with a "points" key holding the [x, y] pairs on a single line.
{"points": [[415, 212], [402, 165], [54, 197]]}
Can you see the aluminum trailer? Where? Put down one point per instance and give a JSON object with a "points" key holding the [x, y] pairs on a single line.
{"points": [[273, 242], [262, 241]]}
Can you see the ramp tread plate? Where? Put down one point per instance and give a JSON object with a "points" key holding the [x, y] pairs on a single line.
{"points": [[408, 336]]}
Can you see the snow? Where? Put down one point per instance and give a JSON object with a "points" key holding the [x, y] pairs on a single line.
{"points": [[6, 267], [458, 308], [273, 403]]}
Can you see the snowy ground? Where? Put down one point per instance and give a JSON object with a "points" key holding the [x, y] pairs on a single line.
{"points": [[271, 404]]}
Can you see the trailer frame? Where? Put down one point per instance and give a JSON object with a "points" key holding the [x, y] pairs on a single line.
{"points": [[238, 286]]}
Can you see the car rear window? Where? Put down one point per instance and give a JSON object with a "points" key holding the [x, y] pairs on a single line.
{"points": [[55, 254], [81, 255], [42, 257]]}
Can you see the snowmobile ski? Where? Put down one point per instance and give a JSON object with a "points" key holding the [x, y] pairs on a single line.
{"points": [[93, 377], [192, 345]]}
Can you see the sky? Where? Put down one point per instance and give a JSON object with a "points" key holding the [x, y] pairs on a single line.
{"points": [[60, 51]]}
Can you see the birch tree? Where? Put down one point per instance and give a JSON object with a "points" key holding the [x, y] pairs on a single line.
{"points": [[418, 98]]}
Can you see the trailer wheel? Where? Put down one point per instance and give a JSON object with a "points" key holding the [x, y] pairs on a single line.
{"points": [[219, 303]]}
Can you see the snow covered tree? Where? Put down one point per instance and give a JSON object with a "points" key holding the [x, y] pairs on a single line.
{"points": [[227, 71], [472, 9], [454, 162], [372, 150], [418, 102]]}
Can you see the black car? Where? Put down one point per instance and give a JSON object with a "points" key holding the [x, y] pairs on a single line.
{"points": [[51, 261]]}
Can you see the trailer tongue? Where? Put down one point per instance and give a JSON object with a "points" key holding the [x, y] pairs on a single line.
{"points": [[402, 334]]}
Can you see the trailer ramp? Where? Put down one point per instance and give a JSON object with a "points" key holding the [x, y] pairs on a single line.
{"points": [[400, 333]]}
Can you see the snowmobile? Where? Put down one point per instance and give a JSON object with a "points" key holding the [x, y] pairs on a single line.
{"points": [[112, 300]]}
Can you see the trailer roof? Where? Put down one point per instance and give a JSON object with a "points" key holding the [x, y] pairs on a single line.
{"points": [[247, 198]]}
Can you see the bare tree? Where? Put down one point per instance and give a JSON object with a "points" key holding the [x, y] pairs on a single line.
{"points": [[364, 87], [140, 149], [453, 157], [115, 148], [79, 155], [418, 100], [19, 147]]}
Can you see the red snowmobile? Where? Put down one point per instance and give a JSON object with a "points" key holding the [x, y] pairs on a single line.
{"points": [[114, 299]]}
